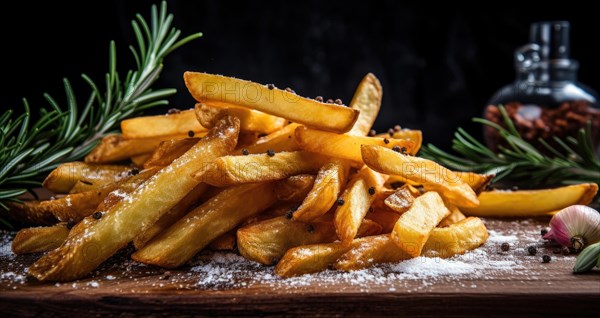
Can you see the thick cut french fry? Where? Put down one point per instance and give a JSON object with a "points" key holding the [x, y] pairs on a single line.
{"points": [[225, 242], [367, 100], [457, 238], [343, 146], [401, 200], [414, 226], [308, 259], [115, 148], [278, 141], [180, 242], [217, 89], [370, 251], [170, 217], [139, 160], [357, 197], [532, 202], [168, 151], [170, 125], [67, 175], [39, 239], [295, 188], [384, 217], [476, 181], [416, 136], [430, 174], [232, 170], [330, 182], [455, 216], [250, 120], [95, 240]]}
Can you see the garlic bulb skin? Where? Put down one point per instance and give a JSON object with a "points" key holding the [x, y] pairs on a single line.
{"points": [[575, 226]]}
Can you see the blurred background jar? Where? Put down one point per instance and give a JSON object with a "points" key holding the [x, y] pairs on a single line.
{"points": [[546, 99]]}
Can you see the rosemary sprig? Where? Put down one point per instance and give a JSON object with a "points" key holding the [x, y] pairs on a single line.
{"points": [[62, 134], [519, 162]]}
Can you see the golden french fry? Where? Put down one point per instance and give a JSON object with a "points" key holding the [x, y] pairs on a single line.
{"points": [[476, 181], [532, 202], [430, 174], [384, 217], [139, 160], [455, 216], [357, 197], [401, 200], [330, 181], [39, 239], [246, 139], [278, 141], [308, 259], [416, 136], [180, 242], [295, 188], [458, 238], [95, 240], [170, 125], [367, 100], [250, 120], [170, 217], [414, 226], [168, 151], [114, 148], [368, 251], [225, 242], [343, 146], [67, 175], [217, 89], [232, 170]]}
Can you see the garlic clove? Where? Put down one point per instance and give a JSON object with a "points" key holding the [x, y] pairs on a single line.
{"points": [[575, 226]]}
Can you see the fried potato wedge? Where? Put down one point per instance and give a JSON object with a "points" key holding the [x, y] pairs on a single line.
{"points": [[95, 241], [367, 100], [278, 141], [232, 170], [295, 188], [217, 89], [455, 216], [39, 239], [414, 226], [357, 197], [222, 213], [430, 174], [500, 203], [384, 217], [168, 151], [369, 251], [115, 148], [457, 238], [401, 200], [309, 259], [170, 217], [170, 125], [64, 177], [343, 146], [330, 181], [416, 136], [250, 120]]}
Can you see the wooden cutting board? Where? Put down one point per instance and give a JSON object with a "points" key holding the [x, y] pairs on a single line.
{"points": [[487, 282]]}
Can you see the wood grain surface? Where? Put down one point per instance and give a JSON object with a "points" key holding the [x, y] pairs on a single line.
{"points": [[529, 288]]}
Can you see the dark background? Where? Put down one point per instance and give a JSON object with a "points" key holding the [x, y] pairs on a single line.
{"points": [[438, 66]]}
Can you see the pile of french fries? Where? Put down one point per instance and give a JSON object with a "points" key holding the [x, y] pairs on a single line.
{"points": [[285, 180]]}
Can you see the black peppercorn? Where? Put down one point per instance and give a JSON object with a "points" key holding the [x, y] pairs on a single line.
{"points": [[270, 86], [289, 90], [319, 99], [372, 133], [396, 185], [338, 101], [403, 150], [532, 250], [544, 231], [391, 132], [245, 152], [386, 141], [397, 149], [505, 247], [330, 101], [310, 228], [70, 225], [270, 152], [135, 171], [371, 190], [546, 259], [289, 214], [173, 111], [370, 209], [397, 128], [97, 215], [340, 202]]}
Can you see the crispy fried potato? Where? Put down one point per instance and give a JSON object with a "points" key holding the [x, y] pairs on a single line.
{"points": [[278, 141], [370, 251], [64, 177], [430, 174], [384, 217], [225, 242], [455, 216], [358, 197], [169, 150], [115, 148], [170, 217], [308, 259], [170, 125], [416, 136], [246, 139], [139, 160], [217, 89], [330, 181], [401, 200], [95, 241], [476, 181], [250, 120], [457, 238], [532, 202], [343, 146], [413, 227], [295, 188], [232, 170], [39, 239], [367, 100], [180, 242]]}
